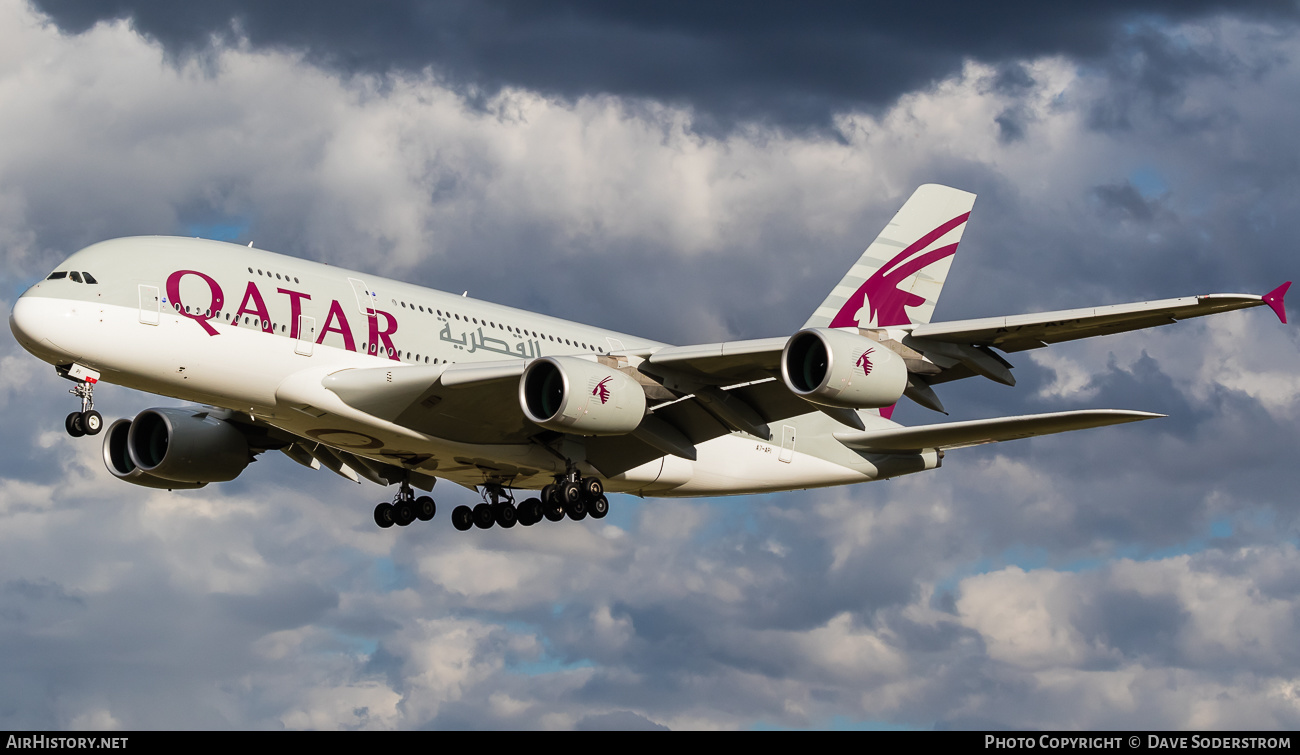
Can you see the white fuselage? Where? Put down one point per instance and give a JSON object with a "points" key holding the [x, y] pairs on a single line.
{"points": [[256, 332]]}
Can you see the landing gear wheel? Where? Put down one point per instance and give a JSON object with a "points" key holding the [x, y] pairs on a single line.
{"points": [[577, 510], [530, 512], [425, 508], [403, 513], [74, 426], [92, 422], [570, 493], [384, 515], [552, 509], [599, 507], [462, 518], [507, 515], [483, 517], [592, 489]]}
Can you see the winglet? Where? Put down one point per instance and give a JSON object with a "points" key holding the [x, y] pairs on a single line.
{"points": [[1274, 299]]}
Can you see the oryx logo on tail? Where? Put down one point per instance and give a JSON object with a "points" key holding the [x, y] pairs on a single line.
{"points": [[880, 300], [601, 390]]}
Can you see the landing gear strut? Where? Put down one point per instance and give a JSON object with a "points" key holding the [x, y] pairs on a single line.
{"points": [[87, 421], [405, 508]]}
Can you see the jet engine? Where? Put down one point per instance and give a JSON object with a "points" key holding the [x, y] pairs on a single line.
{"points": [[841, 369], [175, 448], [572, 395], [118, 461]]}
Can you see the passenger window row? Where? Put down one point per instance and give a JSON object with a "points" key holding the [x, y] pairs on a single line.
{"points": [[509, 329]]}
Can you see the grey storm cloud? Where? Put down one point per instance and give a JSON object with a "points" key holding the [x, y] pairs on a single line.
{"points": [[783, 63]]}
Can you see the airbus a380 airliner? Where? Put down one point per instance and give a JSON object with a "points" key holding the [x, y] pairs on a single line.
{"points": [[402, 385]]}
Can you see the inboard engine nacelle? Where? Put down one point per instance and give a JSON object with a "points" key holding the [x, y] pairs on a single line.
{"points": [[573, 395], [175, 449], [841, 369]]}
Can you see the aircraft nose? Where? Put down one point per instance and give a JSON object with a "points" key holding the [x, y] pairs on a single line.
{"points": [[22, 322]]}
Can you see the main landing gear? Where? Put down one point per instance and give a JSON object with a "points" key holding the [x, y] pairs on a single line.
{"points": [[87, 421], [405, 508], [569, 496]]}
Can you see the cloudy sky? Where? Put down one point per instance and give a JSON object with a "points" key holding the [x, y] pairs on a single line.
{"points": [[691, 174]]}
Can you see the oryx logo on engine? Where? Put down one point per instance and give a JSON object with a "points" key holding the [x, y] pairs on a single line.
{"points": [[602, 390], [864, 362]]}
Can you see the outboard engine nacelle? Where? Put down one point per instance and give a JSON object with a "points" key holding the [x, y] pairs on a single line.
{"points": [[118, 461], [572, 395], [183, 445], [841, 369]]}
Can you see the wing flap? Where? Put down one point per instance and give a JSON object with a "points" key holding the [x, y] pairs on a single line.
{"points": [[947, 435]]}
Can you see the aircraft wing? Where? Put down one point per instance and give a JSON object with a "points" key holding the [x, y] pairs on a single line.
{"points": [[948, 435], [703, 391], [725, 363], [473, 402], [1020, 332]]}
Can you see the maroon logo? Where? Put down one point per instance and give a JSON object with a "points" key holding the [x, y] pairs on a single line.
{"points": [[880, 301], [864, 362], [602, 390], [201, 316]]}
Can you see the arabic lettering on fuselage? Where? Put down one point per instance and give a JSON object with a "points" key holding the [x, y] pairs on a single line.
{"points": [[380, 338]]}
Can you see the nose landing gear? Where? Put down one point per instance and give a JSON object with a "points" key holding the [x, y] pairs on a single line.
{"points": [[87, 421]]}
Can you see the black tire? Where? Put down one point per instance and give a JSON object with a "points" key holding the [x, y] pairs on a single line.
{"points": [[507, 515], [404, 513], [548, 493], [73, 425], [570, 493], [599, 507], [577, 510], [530, 512], [592, 489], [553, 510], [384, 515], [483, 517], [92, 422], [425, 508], [462, 518]]}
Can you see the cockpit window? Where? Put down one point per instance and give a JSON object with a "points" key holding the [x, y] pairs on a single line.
{"points": [[58, 275], [75, 276], [90, 278]]}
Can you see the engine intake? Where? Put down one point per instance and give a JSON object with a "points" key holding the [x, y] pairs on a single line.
{"points": [[179, 445], [572, 395], [842, 369], [118, 460]]}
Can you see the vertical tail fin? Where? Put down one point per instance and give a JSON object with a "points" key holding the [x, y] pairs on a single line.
{"points": [[898, 279]]}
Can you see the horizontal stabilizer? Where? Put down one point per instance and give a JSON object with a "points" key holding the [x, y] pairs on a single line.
{"points": [[975, 432]]}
